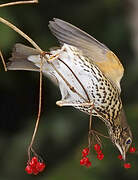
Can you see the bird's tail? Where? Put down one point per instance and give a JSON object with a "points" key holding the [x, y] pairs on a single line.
{"points": [[19, 60]]}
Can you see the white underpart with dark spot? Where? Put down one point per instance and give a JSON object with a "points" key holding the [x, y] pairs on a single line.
{"points": [[94, 82]]}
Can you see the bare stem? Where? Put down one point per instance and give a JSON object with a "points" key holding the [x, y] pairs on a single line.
{"points": [[38, 115], [100, 134], [90, 127], [21, 33], [77, 79], [2, 58], [18, 2], [41, 52], [71, 88]]}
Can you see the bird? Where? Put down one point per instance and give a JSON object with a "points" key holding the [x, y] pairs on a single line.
{"points": [[88, 74]]}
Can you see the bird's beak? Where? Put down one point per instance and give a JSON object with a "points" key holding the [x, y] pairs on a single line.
{"points": [[122, 151], [124, 155]]}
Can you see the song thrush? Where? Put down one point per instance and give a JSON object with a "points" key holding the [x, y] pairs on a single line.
{"points": [[87, 73]]}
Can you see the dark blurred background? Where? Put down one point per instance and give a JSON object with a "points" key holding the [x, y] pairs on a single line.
{"points": [[63, 132]]}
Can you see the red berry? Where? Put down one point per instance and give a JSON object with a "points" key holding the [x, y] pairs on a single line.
{"points": [[132, 149], [34, 159], [35, 171], [29, 169], [40, 166], [127, 165], [97, 147], [85, 152], [88, 164], [32, 164], [120, 157], [100, 156], [84, 161], [99, 152]]}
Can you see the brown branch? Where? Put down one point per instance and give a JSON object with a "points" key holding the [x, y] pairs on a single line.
{"points": [[18, 2], [38, 115], [40, 87], [67, 83], [2, 58], [39, 49], [85, 91], [21, 33]]}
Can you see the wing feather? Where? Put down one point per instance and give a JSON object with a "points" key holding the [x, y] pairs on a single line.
{"points": [[69, 34], [19, 60], [97, 52]]}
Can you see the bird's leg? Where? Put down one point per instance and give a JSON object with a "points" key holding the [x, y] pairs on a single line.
{"points": [[100, 134], [66, 103], [95, 135], [55, 56], [91, 104], [96, 139]]}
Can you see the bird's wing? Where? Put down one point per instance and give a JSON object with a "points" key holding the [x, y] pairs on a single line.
{"points": [[69, 34], [97, 52]]}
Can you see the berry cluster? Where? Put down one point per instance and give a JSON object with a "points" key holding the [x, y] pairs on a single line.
{"points": [[85, 160], [127, 165], [34, 166], [97, 148]]}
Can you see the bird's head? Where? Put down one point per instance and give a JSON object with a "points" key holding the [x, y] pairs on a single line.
{"points": [[121, 135]]}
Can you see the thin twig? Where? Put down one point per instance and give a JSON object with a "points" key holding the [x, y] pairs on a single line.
{"points": [[2, 58], [39, 112], [77, 79], [90, 127], [100, 134], [40, 90], [18, 2], [67, 83], [97, 139], [21, 33], [39, 49]]}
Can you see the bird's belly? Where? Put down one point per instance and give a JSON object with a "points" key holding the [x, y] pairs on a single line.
{"points": [[81, 82], [90, 83]]}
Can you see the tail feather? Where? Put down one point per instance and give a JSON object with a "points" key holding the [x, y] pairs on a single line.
{"points": [[22, 65], [19, 60], [22, 50]]}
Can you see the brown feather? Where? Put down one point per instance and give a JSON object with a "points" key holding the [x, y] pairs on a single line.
{"points": [[19, 60], [97, 52]]}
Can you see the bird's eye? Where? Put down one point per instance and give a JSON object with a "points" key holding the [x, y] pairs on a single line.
{"points": [[128, 141]]}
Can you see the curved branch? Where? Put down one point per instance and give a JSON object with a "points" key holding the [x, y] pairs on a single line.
{"points": [[18, 2], [21, 33]]}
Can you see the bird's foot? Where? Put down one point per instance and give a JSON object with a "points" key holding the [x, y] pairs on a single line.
{"points": [[66, 103], [55, 56]]}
